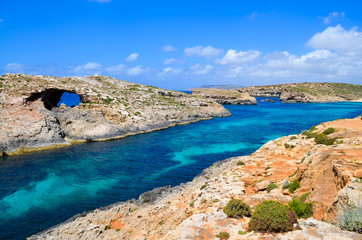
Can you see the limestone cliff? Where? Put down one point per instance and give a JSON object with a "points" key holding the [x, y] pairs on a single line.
{"points": [[330, 173], [109, 108], [307, 92], [224, 96]]}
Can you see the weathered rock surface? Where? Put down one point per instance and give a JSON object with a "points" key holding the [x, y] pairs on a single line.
{"points": [[109, 108], [195, 210], [223, 96], [307, 92]]}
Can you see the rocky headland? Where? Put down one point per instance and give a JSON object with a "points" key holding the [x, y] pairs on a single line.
{"points": [[30, 118], [307, 92], [320, 168], [224, 96]]}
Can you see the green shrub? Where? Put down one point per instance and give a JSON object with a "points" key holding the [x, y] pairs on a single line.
{"points": [[240, 163], [351, 220], [242, 232], [294, 185], [272, 216], [271, 187], [311, 135], [286, 184], [313, 128], [236, 208], [304, 196], [301, 209], [223, 235], [329, 131], [292, 138], [320, 138]]}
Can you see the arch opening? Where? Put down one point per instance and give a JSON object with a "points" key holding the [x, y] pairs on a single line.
{"points": [[69, 99]]}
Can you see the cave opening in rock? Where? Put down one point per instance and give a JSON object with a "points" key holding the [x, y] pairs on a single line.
{"points": [[54, 97], [69, 99]]}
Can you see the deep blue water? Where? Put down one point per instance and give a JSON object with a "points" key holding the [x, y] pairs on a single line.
{"points": [[42, 189]]}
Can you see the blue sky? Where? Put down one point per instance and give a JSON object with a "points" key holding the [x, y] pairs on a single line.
{"points": [[179, 44]]}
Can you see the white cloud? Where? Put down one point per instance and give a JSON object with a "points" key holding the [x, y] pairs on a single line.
{"points": [[333, 16], [117, 69], [201, 51], [15, 68], [135, 71], [199, 70], [169, 61], [170, 71], [88, 67], [234, 57], [338, 39], [100, 1], [168, 48], [132, 57]]}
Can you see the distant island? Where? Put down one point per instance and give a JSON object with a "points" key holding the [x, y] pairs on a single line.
{"points": [[227, 87]]}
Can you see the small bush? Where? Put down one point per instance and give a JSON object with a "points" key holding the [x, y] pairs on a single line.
{"points": [[271, 187], [242, 232], [320, 138], [294, 185], [301, 209], [351, 220], [292, 138], [311, 135], [329, 131], [240, 163], [286, 184], [203, 186], [236, 208], [223, 235], [304, 196], [272, 216]]}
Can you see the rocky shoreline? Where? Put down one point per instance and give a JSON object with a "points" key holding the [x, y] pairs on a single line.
{"points": [[31, 119], [307, 92], [329, 174]]}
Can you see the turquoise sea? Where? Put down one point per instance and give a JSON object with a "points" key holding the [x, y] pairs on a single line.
{"points": [[42, 189]]}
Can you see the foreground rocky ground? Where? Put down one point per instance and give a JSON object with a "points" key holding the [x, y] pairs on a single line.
{"points": [[330, 173], [307, 92], [110, 108]]}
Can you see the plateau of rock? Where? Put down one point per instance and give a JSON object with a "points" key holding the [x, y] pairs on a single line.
{"points": [[223, 96], [307, 92], [30, 118]]}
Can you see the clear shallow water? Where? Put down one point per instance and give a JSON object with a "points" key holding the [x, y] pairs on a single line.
{"points": [[42, 189]]}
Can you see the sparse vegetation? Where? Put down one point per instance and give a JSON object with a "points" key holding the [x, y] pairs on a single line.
{"points": [[294, 185], [301, 209], [286, 145], [329, 131], [240, 163], [242, 232], [286, 184], [304, 196], [351, 220], [272, 216], [223, 235], [236, 208], [271, 187]]}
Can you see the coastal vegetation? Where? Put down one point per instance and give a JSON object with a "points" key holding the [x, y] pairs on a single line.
{"points": [[272, 216], [237, 209]]}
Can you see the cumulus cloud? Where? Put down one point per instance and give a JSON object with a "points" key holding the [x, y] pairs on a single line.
{"points": [[168, 48], [15, 68], [169, 61], [201, 51], [170, 71], [333, 16], [100, 1], [132, 57], [338, 39], [234, 57], [200, 70], [135, 71], [88, 67], [117, 69]]}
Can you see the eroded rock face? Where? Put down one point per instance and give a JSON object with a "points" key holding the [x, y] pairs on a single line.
{"points": [[195, 210], [223, 96], [109, 108]]}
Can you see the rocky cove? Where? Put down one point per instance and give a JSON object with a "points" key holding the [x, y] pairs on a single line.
{"points": [[109, 222]]}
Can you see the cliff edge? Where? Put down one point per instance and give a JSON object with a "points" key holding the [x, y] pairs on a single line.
{"points": [[224, 96]]}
